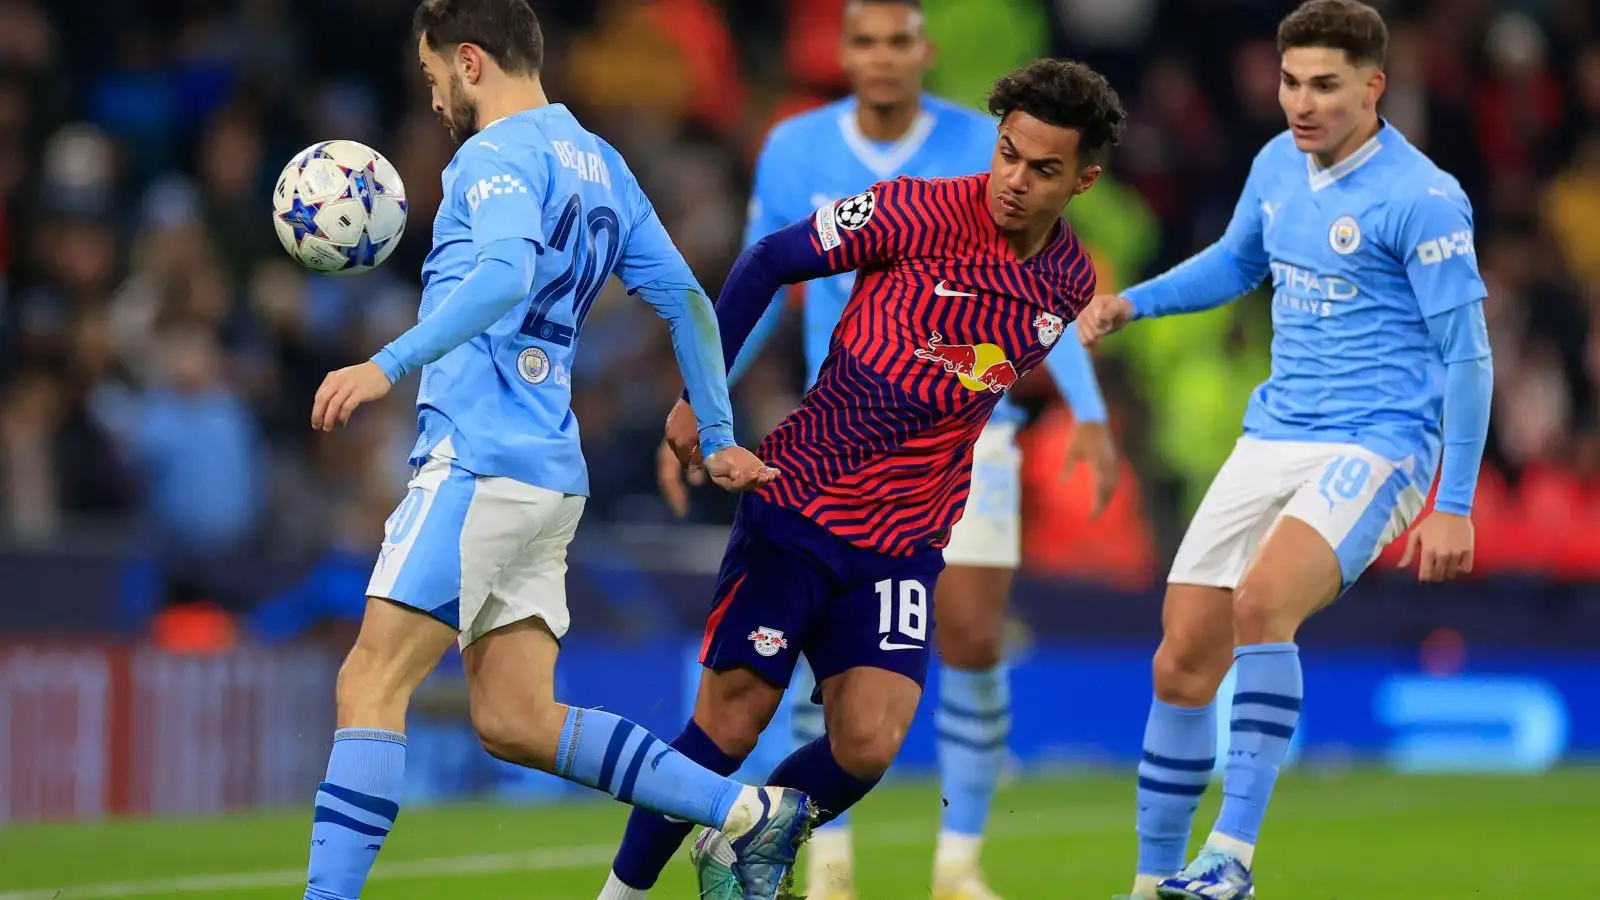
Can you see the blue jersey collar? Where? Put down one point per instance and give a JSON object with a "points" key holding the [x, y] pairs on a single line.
{"points": [[890, 161]]}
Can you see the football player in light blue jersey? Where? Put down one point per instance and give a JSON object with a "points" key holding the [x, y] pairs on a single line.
{"points": [[887, 128], [1380, 376], [537, 214]]}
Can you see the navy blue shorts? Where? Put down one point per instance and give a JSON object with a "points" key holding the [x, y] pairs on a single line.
{"points": [[789, 586]]}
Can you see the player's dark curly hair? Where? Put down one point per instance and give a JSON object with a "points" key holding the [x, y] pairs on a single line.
{"points": [[507, 30], [1347, 25], [1066, 94]]}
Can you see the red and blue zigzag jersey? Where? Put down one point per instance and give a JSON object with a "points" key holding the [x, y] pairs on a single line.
{"points": [[944, 318]]}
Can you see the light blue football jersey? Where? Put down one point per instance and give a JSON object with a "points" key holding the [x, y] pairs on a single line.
{"points": [[821, 155], [501, 403], [1359, 254]]}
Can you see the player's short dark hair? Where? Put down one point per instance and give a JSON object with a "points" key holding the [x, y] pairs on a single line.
{"points": [[507, 30], [1066, 94], [1348, 25], [914, 4]]}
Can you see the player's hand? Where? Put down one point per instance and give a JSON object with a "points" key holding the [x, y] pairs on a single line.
{"points": [[736, 469], [344, 390], [1442, 544], [683, 436], [670, 475], [1104, 314], [1091, 444]]}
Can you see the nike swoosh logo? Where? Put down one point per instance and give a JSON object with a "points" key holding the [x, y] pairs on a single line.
{"points": [[943, 291], [887, 644], [1438, 193]]}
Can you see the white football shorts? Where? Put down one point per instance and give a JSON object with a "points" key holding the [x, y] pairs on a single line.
{"points": [[478, 552], [1356, 499], [989, 532]]}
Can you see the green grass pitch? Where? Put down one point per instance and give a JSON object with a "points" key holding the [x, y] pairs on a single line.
{"points": [[1350, 836]]}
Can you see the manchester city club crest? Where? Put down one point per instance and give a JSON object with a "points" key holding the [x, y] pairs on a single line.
{"points": [[1345, 235], [533, 365]]}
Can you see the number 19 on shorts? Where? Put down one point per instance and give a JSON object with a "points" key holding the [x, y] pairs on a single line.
{"points": [[902, 613]]}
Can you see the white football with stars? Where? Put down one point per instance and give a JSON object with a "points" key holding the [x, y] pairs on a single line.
{"points": [[339, 208]]}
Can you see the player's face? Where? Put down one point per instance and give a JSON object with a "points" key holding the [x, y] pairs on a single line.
{"points": [[884, 52], [1034, 173], [452, 101], [1327, 99]]}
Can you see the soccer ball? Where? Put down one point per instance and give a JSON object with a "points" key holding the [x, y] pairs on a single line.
{"points": [[339, 208]]}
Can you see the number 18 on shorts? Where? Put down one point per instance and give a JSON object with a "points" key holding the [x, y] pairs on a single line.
{"points": [[788, 586]]}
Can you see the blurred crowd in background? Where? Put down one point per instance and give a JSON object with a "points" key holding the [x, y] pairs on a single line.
{"points": [[159, 351]]}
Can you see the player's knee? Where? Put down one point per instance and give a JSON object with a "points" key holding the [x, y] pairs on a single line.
{"points": [[733, 708], [865, 750], [516, 734], [734, 730], [1188, 673]]}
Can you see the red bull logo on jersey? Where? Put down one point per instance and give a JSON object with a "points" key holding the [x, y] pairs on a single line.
{"points": [[980, 367]]}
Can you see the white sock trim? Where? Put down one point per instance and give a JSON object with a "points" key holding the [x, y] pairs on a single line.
{"points": [[616, 890]]}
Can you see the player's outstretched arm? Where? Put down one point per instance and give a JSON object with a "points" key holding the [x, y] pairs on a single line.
{"points": [[1222, 272]]}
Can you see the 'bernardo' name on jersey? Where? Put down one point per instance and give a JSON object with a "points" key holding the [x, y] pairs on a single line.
{"points": [[588, 166]]}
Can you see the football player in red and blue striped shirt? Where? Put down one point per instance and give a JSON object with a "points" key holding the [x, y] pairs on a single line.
{"points": [[963, 286]]}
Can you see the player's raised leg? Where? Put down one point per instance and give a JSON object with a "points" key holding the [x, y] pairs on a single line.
{"points": [[830, 863], [972, 720], [511, 671]]}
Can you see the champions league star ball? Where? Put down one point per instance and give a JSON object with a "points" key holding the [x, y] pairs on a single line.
{"points": [[339, 208]]}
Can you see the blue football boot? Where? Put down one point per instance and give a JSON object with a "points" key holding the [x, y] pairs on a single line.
{"points": [[1214, 875]]}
